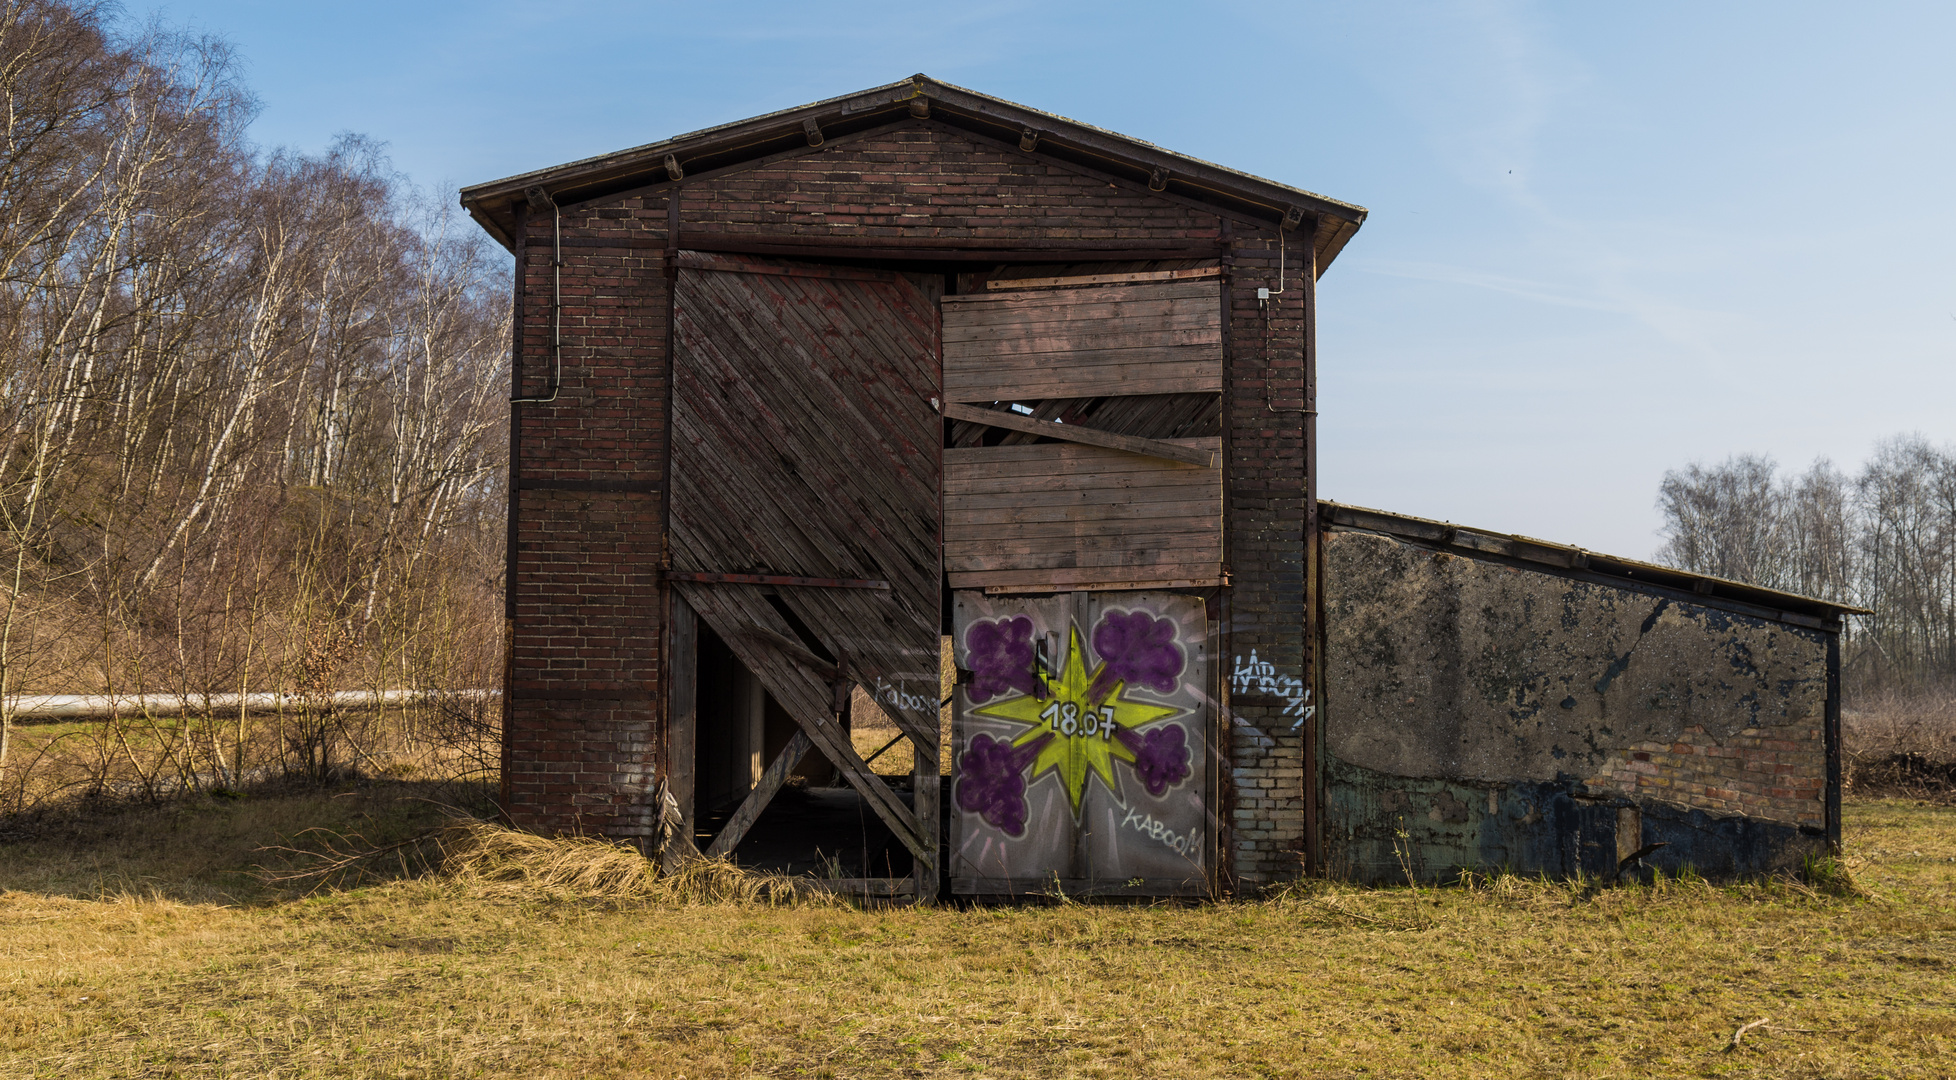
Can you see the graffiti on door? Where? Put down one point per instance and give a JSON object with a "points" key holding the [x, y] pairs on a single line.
{"points": [[1090, 700]]}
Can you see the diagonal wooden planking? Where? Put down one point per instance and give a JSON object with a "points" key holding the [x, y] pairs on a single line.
{"points": [[806, 444], [819, 480]]}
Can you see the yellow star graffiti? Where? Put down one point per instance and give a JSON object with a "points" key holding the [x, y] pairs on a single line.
{"points": [[1081, 728]]}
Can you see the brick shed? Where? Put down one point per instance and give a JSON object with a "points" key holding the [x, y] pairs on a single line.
{"points": [[805, 401]]}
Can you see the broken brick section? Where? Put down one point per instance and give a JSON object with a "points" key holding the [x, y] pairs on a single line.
{"points": [[1767, 774]]}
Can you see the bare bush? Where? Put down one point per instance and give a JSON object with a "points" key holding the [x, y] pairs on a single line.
{"points": [[252, 435], [1901, 743]]}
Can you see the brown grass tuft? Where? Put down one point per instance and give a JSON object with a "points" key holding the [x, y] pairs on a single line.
{"points": [[487, 856]]}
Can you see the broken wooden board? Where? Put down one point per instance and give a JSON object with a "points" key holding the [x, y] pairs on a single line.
{"points": [[1133, 444]]}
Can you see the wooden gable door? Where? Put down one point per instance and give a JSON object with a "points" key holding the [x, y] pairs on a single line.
{"points": [[806, 451]]}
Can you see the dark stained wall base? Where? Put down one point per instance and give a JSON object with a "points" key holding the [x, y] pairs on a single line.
{"points": [[1379, 827]]}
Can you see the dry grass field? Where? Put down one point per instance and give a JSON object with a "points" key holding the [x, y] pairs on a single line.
{"points": [[139, 944]]}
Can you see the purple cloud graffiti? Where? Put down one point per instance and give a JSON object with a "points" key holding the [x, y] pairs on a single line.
{"points": [[1000, 655], [1138, 649], [1161, 755], [992, 784]]}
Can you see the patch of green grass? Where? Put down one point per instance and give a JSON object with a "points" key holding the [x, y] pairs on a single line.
{"points": [[1497, 977]]}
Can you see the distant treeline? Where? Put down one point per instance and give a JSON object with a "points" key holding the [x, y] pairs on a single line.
{"points": [[1883, 539], [252, 419]]}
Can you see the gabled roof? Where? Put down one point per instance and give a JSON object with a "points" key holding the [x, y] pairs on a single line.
{"points": [[493, 204]]}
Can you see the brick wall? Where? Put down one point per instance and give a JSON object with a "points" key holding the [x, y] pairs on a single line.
{"points": [[1767, 774], [583, 733], [1266, 492], [585, 610]]}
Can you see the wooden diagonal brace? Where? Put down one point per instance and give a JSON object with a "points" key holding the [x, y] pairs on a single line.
{"points": [[799, 682], [793, 650], [835, 745], [756, 801], [1133, 444], [838, 678]]}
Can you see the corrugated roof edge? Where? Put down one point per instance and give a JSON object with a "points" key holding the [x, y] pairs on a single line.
{"points": [[620, 169], [1810, 611]]}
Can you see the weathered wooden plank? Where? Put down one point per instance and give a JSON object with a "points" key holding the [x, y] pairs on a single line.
{"points": [[1014, 379], [927, 790], [756, 801], [1075, 332], [1088, 306], [1080, 434], [1014, 476], [978, 492], [1106, 279], [1035, 486], [1204, 377], [1081, 351], [1183, 318], [1037, 457], [1136, 489], [1157, 536], [1010, 514], [961, 531], [1037, 581], [1102, 294], [682, 704], [1128, 561], [1091, 304]]}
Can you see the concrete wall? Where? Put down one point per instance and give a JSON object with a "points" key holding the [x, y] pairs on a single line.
{"points": [[1507, 717]]}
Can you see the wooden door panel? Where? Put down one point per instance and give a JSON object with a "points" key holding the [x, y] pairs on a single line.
{"points": [[1081, 744], [806, 444]]}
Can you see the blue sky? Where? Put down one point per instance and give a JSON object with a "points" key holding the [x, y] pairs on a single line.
{"points": [[1606, 240]]}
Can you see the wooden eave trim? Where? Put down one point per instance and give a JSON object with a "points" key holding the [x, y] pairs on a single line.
{"points": [[1335, 237]]}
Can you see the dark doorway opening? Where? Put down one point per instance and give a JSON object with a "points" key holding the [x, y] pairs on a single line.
{"points": [[815, 824]]}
